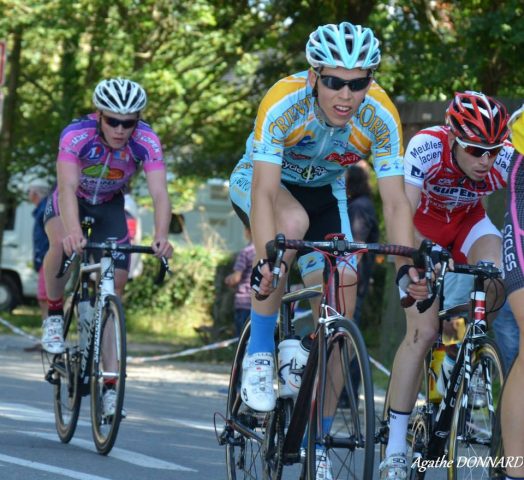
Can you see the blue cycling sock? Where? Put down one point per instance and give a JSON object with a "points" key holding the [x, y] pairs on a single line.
{"points": [[262, 333]]}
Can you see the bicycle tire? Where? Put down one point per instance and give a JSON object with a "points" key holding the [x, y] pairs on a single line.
{"points": [[66, 392], [417, 434], [352, 427], [245, 457], [473, 424], [105, 428]]}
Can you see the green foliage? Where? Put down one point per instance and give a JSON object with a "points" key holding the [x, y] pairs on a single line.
{"points": [[185, 299]]}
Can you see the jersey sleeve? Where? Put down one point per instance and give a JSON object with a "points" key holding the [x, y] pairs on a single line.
{"points": [[73, 138], [273, 123], [415, 163], [381, 121], [148, 148]]}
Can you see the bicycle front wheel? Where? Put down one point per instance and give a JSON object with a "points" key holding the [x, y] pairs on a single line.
{"points": [[66, 379], [474, 419], [346, 414], [108, 376], [245, 454]]}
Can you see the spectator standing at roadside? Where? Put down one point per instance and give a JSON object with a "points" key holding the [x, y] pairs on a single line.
{"points": [[364, 226], [240, 279], [37, 194]]}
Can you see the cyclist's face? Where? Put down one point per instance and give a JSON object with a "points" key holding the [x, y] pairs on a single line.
{"points": [[340, 105], [476, 168], [117, 128]]}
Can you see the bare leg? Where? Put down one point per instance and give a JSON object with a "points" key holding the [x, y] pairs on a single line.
{"points": [[53, 260]]}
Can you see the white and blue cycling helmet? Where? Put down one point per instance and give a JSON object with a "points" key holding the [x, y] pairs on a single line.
{"points": [[344, 45], [119, 95]]}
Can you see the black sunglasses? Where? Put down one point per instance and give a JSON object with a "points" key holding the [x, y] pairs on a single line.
{"points": [[336, 83], [115, 122]]}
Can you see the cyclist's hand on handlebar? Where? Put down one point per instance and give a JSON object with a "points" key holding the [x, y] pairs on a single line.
{"points": [[162, 247], [262, 278], [411, 284], [74, 242]]}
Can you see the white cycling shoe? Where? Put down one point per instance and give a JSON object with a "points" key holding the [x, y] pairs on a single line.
{"points": [[323, 465], [53, 334], [257, 389]]}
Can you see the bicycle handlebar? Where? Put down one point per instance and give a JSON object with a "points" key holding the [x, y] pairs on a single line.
{"points": [[112, 246], [483, 270], [337, 245]]}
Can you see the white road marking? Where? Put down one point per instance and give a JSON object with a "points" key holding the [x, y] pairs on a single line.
{"points": [[50, 468], [26, 413], [121, 454]]}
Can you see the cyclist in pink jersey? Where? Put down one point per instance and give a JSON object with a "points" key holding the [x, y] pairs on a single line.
{"points": [[448, 170], [513, 258], [97, 157]]}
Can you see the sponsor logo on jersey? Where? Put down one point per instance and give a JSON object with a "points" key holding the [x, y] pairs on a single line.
{"points": [[101, 171], [299, 156], [95, 152], [290, 116], [510, 259], [78, 138], [344, 159], [416, 172], [307, 141], [368, 118]]}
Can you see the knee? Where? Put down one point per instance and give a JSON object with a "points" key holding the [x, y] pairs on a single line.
{"points": [[294, 224], [421, 338]]}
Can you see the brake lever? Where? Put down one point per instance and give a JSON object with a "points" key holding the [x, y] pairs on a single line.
{"points": [[424, 305], [66, 263], [164, 268]]}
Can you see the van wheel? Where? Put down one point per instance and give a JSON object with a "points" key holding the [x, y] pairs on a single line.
{"points": [[9, 293]]}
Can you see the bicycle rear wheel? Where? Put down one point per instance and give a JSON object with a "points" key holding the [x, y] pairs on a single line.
{"points": [[108, 372], [348, 416], [474, 421], [66, 378], [245, 456]]}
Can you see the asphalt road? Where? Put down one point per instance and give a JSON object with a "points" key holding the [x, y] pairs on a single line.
{"points": [[168, 433]]}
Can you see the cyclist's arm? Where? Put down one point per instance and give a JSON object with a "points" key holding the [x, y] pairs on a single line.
{"points": [[399, 224], [413, 193], [68, 177], [157, 186], [264, 193]]}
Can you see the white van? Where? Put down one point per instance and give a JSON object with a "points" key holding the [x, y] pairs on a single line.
{"points": [[17, 276]]}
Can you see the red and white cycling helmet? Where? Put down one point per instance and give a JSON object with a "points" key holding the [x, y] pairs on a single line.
{"points": [[119, 95], [344, 45], [476, 118]]}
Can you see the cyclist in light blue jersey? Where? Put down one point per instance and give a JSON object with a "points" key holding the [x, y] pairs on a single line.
{"points": [[311, 126]]}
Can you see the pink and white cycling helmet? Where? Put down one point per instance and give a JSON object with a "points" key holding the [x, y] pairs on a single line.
{"points": [[119, 95], [344, 45]]}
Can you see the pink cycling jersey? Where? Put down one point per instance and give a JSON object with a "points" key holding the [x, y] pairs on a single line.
{"points": [[105, 171], [446, 193]]}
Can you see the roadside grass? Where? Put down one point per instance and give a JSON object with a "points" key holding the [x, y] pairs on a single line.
{"points": [[146, 334]]}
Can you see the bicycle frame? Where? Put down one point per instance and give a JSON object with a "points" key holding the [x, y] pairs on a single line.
{"points": [[440, 425]]}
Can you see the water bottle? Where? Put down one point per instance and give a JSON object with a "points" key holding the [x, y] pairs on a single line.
{"points": [[436, 366], [298, 364], [85, 313], [286, 352]]}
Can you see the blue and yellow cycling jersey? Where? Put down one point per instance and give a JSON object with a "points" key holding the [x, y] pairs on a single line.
{"points": [[289, 131]]}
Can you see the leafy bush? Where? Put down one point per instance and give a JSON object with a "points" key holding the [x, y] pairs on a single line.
{"points": [[185, 300]]}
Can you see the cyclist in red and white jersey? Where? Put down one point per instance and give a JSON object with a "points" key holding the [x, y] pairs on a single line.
{"points": [[97, 157], [448, 170]]}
